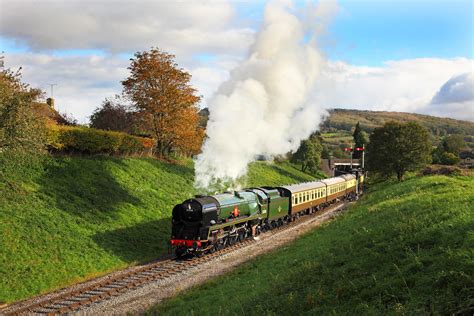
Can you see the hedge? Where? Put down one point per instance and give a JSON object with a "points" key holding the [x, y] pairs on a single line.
{"points": [[79, 139]]}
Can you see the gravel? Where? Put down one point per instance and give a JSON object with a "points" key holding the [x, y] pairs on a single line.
{"points": [[139, 299]]}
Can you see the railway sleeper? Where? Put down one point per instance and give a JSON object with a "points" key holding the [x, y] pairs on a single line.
{"points": [[112, 286], [147, 273]]}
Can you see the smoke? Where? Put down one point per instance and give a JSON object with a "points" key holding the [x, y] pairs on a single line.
{"points": [[265, 107]]}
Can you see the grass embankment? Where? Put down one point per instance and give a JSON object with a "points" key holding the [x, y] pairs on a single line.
{"points": [[403, 249], [80, 217]]}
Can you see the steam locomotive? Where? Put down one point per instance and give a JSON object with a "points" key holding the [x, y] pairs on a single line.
{"points": [[205, 224]]}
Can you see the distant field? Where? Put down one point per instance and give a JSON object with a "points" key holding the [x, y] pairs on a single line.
{"points": [[341, 121], [336, 139], [81, 217], [403, 249]]}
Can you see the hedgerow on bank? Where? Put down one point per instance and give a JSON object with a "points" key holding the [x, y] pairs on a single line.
{"points": [[84, 140]]}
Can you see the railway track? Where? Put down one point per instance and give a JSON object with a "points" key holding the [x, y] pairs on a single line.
{"points": [[75, 300]]}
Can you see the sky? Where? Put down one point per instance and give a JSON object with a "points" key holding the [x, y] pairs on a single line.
{"points": [[407, 56]]}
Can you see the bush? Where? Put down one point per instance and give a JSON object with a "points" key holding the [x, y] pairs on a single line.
{"points": [[449, 159], [441, 170], [94, 141]]}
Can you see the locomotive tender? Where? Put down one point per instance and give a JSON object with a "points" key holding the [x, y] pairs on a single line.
{"points": [[209, 223]]}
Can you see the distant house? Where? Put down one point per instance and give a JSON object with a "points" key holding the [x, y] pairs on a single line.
{"points": [[467, 158]]}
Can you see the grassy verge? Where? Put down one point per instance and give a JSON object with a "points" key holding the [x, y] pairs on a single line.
{"points": [[81, 217], [403, 249]]}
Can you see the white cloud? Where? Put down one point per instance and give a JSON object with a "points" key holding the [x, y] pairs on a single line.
{"points": [[82, 81], [117, 26], [402, 86], [458, 89], [455, 98], [85, 81]]}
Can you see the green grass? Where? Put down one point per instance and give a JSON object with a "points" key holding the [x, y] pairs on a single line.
{"points": [[403, 249], [76, 218]]}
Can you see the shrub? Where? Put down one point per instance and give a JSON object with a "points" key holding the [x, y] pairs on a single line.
{"points": [[86, 140], [441, 170], [448, 158]]}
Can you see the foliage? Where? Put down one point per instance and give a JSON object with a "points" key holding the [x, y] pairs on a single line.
{"points": [[361, 139], [113, 115], [162, 93], [339, 125], [325, 153], [447, 152], [448, 158], [20, 129], [338, 152], [309, 154], [66, 119], [22, 134], [398, 148], [403, 249], [76, 218], [344, 120], [444, 170], [453, 144], [86, 140]]}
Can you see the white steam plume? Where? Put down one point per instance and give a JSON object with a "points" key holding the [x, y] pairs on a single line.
{"points": [[265, 107]]}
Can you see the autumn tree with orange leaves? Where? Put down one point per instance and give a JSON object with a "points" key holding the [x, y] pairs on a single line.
{"points": [[166, 101]]}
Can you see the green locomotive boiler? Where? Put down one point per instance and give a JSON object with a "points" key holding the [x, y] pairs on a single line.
{"points": [[209, 223]]}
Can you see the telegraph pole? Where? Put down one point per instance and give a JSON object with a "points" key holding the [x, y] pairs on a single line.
{"points": [[352, 153], [2, 63], [52, 86], [363, 155]]}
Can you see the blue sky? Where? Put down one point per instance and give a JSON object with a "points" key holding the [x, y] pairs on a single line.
{"points": [[364, 32], [370, 32], [375, 50]]}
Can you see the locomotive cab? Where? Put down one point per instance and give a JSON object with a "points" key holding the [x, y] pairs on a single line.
{"points": [[191, 221]]}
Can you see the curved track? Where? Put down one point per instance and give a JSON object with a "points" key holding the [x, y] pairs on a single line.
{"points": [[74, 300]]}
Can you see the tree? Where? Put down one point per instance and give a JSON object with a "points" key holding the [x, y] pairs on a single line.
{"points": [[398, 148], [451, 145], [325, 153], [361, 139], [448, 158], [309, 154], [113, 115], [168, 103], [66, 119], [20, 129]]}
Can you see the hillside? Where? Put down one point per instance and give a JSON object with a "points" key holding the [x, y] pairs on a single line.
{"points": [[337, 128], [345, 120], [403, 249], [77, 218]]}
